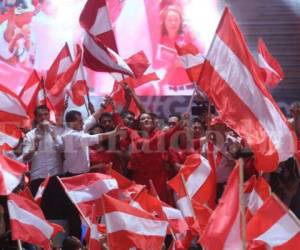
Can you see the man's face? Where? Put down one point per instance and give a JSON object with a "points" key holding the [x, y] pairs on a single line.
{"points": [[78, 123], [172, 121], [198, 130], [107, 124], [42, 115], [129, 120]]}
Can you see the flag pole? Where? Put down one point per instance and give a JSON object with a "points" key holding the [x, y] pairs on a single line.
{"points": [[165, 216], [85, 78], [187, 194], [242, 202], [103, 208], [19, 245]]}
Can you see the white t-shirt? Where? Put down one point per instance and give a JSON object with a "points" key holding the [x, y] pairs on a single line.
{"points": [[47, 160], [76, 151]]}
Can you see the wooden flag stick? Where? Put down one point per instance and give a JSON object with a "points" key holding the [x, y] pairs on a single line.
{"points": [[103, 208], [242, 203]]}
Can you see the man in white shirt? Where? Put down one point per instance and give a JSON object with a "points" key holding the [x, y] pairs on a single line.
{"points": [[77, 142], [43, 149]]}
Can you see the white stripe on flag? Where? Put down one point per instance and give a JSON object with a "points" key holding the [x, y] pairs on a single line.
{"points": [[93, 191], [190, 60], [10, 180], [254, 202], [63, 65], [25, 217], [281, 232], [234, 240], [195, 181], [10, 140], [10, 104], [118, 221], [172, 213], [241, 82], [102, 22], [185, 206], [94, 232], [100, 54], [264, 64], [28, 93]]}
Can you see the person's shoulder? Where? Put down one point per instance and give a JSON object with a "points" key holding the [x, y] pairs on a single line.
{"points": [[31, 133]]}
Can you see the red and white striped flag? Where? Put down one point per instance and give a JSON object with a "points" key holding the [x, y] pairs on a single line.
{"points": [[175, 219], [61, 64], [95, 234], [78, 88], [39, 194], [87, 189], [269, 67], [12, 109], [33, 94], [132, 226], [11, 174], [260, 192], [72, 82], [95, 19], [99, 57], [191, 59], [274, 226], [200, 181], [67, 77], [231, 80], [10, 135], [223, 230], [28, 222]]}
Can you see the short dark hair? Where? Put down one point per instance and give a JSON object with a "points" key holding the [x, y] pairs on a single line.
{"points": [[106, 114], [71, 116], [71, 243], [40, 107], [196, 119], [175, 115]]}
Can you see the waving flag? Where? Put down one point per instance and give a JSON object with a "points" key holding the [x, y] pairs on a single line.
{"points": [[33, 94], [87, 189], [12, 109], [223, 228], [95, 20], [131, 226], [191, 59], [260, 192], [39, 194], [28, 222], [11, 174], [200, 180], [99, 57], [78, 88], [270, 67], [61, 63], [10, 135], [59, 67], [230, 78], [273, 227]]}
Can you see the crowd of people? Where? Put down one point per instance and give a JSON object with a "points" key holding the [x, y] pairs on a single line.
{"points": [[143, 149]]}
